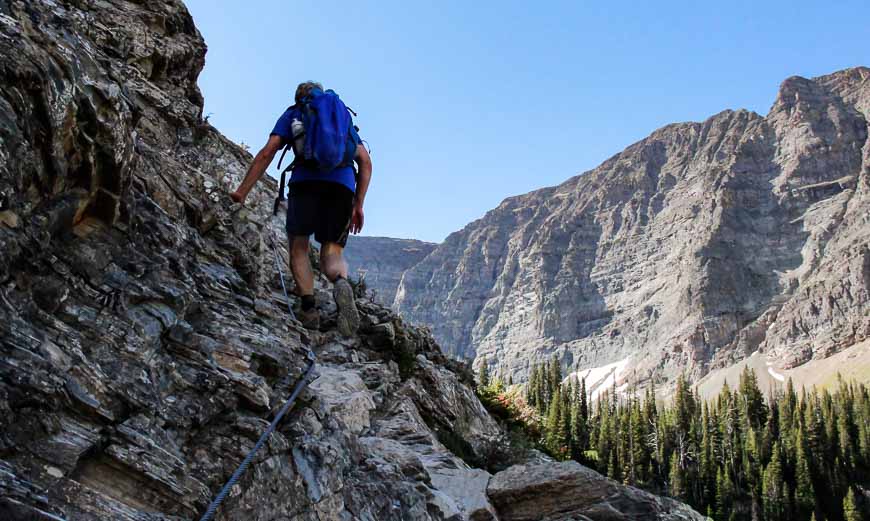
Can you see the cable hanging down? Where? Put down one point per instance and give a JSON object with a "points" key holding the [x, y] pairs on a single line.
{"points": [[304, 380]]}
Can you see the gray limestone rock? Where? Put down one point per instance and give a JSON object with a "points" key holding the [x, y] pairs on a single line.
{"points": [[381, 261], [569, 491], [691, 249], [144, 338]]}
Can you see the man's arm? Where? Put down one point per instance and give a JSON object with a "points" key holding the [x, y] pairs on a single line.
{"points": [[364, 166], [258, 167]]}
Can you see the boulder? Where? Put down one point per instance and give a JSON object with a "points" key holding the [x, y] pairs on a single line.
{"points": [[343, 395], [567, 490], [467, 487]]}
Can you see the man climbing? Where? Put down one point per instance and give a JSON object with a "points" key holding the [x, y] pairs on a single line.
{"points": [[324, 201]]}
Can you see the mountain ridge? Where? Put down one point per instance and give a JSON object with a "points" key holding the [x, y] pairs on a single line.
{"points": [[766, 175], [380, 262]]}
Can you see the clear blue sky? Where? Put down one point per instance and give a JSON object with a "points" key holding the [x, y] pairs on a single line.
{"points": [[466, 103]]}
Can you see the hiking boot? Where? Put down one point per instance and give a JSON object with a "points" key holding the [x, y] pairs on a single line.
{"points": [[310, 319], [348, 316]]}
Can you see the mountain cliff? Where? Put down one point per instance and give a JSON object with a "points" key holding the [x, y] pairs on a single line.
{"points": [[689, 250], [145, 340], [381, 262]]}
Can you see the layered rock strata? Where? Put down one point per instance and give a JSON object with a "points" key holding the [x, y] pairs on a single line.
{"points": [[144, 336], [689, 250]]}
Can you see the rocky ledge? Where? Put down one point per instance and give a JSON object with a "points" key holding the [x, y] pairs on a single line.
{"points": [[569, 491], [145, 339]]}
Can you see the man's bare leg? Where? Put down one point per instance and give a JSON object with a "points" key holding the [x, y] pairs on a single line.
{"points": [[332, 261], [332, 264], [300, 265]]}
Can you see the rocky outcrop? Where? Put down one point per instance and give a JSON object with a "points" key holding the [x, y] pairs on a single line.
{"points": [[569, 491], [689, 250], [381, 261], [144, 337]]}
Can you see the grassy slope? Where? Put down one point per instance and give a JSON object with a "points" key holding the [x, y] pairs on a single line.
{"points": [[852, 364]]}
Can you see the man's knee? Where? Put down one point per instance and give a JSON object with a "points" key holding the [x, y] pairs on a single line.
{"points": [[331, 261], [331, 267]]}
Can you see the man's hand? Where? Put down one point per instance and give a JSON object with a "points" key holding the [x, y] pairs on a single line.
{"points": [[364, 162], [258, 168], [357, 219]]}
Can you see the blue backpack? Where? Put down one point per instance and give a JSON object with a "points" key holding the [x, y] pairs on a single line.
{"points": [[329, 141]]}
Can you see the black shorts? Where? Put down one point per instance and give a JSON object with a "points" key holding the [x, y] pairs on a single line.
{"points": [[322, 208]]}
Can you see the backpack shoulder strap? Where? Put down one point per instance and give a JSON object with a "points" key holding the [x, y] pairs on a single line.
{"points": [[282, 183], [283, 153]]}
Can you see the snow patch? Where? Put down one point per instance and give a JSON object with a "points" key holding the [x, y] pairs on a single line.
{"points": [[773, 373], [599, 379]]}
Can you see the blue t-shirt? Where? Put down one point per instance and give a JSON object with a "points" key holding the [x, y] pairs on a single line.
{"points": [[344, 175]]}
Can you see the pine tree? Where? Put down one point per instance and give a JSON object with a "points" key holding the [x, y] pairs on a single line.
{"points": [[788, 407], [555, 377], [566, 393], [555, 427], [535, 394], [863, 422], [595, 429], [772, 488], [637, 460], [579, 433], [546, 388], [803, 461], [483, 379], [606, 434], [530, 387], [497, 386], [708, 463], [847, 430], [724, 494], [832, 437], [613, 468], [752, 469], [678, 486], [805, 500], [850, 507], [752, 400], [770, 433], [684, 405]]}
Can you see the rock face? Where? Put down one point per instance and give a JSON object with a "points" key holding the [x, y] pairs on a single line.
{"points": [[145, 341], [382, 261], [688, 250], [569, 491]]}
